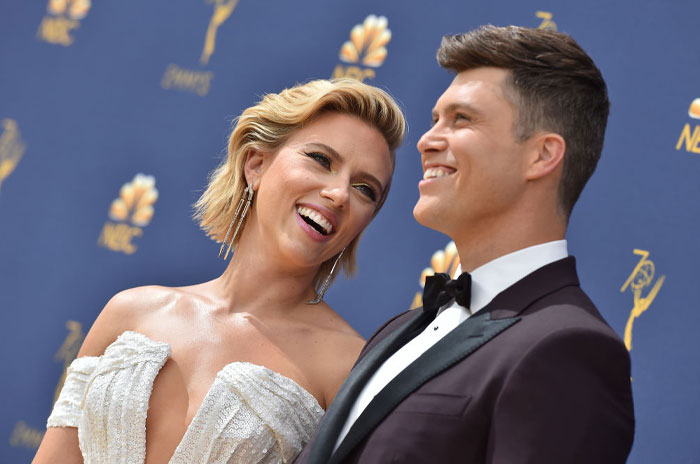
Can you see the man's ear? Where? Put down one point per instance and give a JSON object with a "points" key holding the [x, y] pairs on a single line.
{"points": [[547, 155], [254, 166]]}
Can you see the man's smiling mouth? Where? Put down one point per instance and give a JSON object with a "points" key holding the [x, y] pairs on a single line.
{"points": [[441, 171]]}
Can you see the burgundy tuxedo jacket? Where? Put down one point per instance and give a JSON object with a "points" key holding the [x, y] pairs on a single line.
{"points": [[537, 376]]}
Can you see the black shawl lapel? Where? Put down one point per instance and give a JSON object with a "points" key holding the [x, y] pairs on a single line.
{"points": [[496, 317], [543, 281], [455, 346], [337, 413]]}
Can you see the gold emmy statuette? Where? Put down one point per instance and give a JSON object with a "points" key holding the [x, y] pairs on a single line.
{"points": [[68, 351], [26, 436], [11, 148], [641, 277], [547, 22], [222, 11]]}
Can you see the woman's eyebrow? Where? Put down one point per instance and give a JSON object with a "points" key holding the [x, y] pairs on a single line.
{"points": [[326, 148], [334, 154]]}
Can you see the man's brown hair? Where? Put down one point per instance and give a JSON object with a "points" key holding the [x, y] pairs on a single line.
{"points": [[555, 85]]}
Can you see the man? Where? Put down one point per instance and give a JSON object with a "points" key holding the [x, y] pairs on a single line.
{"points": [[519, 366]]}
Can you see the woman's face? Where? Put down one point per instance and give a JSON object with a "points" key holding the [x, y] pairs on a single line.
{"points": [[319, 190]]}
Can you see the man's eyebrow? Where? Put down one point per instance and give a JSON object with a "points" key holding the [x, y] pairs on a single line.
{"points": [[336, 155], [452, 107]]}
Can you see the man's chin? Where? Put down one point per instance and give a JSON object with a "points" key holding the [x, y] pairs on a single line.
{"points": [[426, 216]]}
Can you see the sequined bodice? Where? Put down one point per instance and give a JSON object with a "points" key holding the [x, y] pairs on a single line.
{"points": [[250, 414]]}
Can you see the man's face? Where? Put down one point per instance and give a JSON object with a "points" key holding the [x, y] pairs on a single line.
{"points": [[473, 166]]}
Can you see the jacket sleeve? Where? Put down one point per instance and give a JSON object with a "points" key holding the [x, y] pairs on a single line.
{"points": [[569, 400]]}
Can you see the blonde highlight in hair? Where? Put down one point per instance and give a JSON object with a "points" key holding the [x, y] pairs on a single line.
{"points": [[267, 125]]}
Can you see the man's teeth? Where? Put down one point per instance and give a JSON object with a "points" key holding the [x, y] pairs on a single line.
{"points": [[316, 217], [432, 173]]}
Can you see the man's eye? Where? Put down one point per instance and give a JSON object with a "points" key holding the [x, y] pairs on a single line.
{"points": [[367, 191], [320, 158], [462, 116]]}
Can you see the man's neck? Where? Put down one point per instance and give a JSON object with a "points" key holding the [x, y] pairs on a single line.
{"points": [[495, 276], [477, 248]]}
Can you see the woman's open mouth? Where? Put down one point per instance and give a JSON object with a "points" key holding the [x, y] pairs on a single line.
{"points": [[316, 220]]}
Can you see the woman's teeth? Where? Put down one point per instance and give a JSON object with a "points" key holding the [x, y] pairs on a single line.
{"points": [[315, 219], [432, 173]]}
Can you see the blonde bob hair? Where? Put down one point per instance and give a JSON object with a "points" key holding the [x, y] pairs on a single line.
{"points": [[267, 125]]}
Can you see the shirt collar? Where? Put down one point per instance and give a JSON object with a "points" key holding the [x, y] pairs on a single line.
{"points": [[497, 275]]}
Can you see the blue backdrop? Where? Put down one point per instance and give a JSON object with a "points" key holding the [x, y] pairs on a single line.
{"points": [[113, 113]]}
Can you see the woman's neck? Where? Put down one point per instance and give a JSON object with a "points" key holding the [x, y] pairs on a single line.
{"points": [[254, 281]]}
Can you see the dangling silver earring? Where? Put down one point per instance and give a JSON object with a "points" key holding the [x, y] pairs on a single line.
{"points": [[248, 192], [327, 282]]}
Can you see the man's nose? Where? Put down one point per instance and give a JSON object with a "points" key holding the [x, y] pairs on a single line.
{"points": [[432, 141]]}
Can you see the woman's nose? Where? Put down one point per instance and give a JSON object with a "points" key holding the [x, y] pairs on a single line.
{"points": [[338, 193]]}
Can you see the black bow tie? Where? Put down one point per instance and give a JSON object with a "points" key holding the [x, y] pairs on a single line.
{"points": [[439, 290]]}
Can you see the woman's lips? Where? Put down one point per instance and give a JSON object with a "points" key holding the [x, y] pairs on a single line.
{"points": [[310, 231], [315, 219]]}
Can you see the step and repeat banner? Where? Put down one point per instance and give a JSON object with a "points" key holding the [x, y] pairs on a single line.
{"points": [[112, 113]]}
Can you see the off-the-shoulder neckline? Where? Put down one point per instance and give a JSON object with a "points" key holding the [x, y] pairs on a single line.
{"points": [[131, 336], [258, 366]]}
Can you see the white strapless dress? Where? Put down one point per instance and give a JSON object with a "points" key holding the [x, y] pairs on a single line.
{"points": [[250, 414]]}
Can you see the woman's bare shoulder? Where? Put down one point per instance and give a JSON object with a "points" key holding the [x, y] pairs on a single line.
{"points": [[125, 311], [337, 346], [343, 348], [347, 338], [337, 334]]}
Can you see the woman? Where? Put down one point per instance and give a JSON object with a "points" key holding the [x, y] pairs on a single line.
{"points": [[240, 369]]}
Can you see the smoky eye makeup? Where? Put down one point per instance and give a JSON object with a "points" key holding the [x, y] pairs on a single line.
{"points": [[320, 158], [317, 152], [366, 190]]}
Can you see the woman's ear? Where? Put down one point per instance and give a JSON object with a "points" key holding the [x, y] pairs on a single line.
{"points": [[254, 167], [548, 154]]}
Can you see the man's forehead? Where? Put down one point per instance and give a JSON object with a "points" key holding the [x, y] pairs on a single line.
{"points": [[470, 87]]}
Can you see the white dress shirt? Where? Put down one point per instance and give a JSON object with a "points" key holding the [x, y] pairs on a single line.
{"points": [[487, 281]]}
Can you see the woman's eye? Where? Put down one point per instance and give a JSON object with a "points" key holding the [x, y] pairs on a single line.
{"points": [[320, 158], [367, 191]]}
